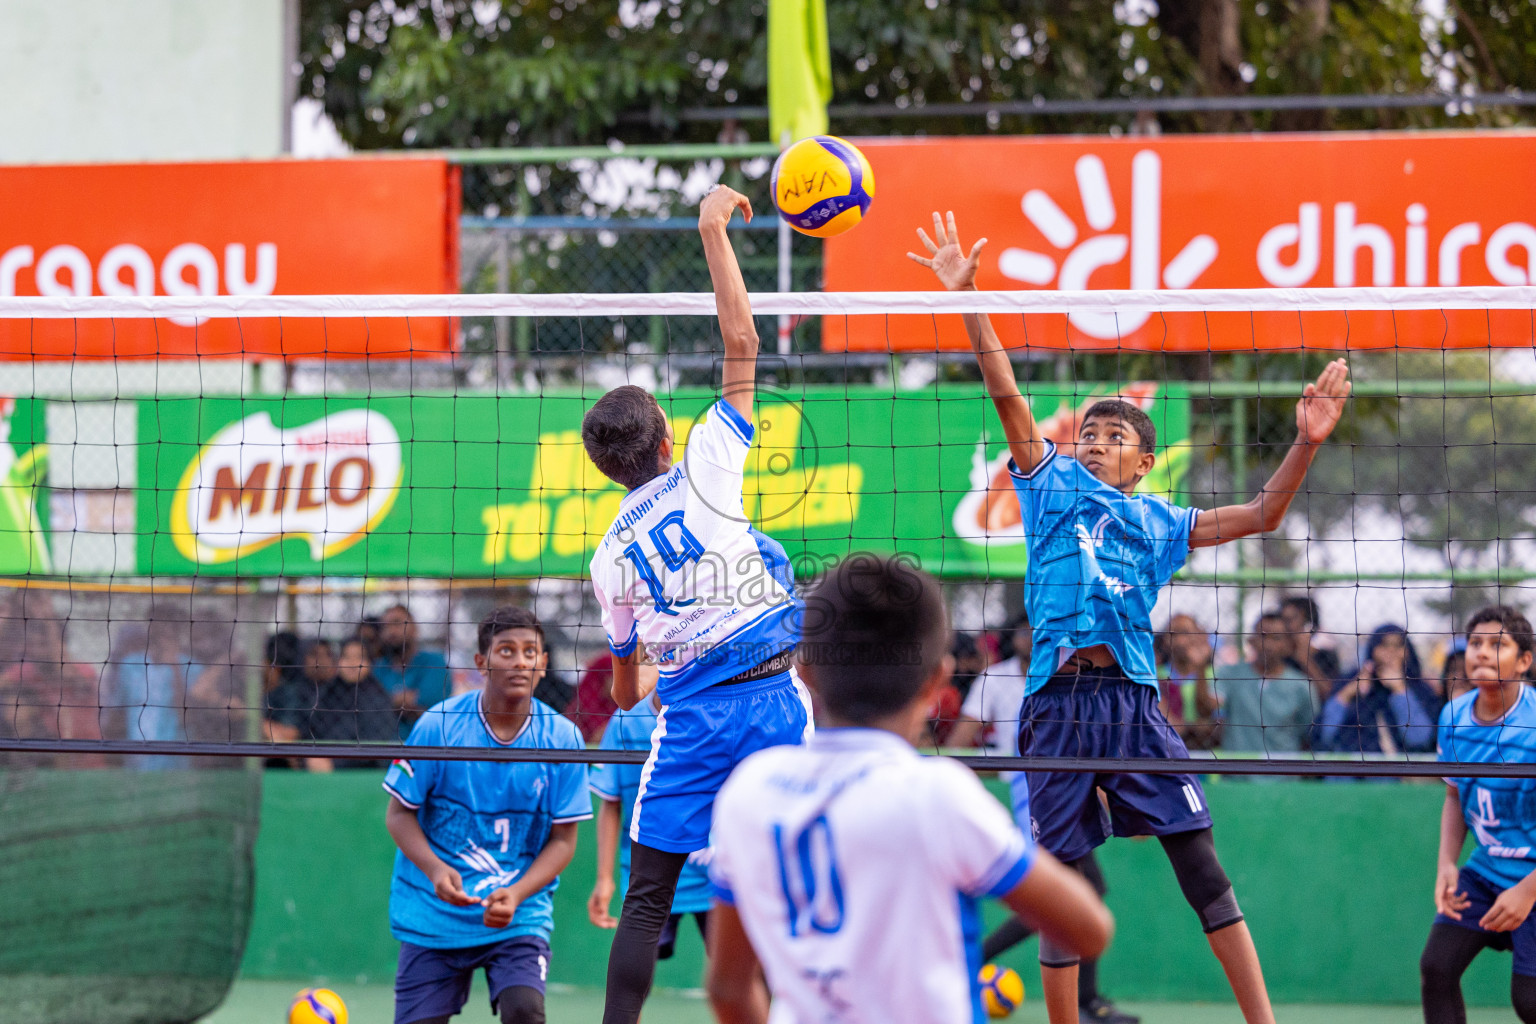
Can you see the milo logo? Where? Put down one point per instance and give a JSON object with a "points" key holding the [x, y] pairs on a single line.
{"points": [[252, 485]]}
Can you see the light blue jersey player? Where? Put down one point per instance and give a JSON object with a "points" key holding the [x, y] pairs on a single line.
{"points": [[851, 868], [616, 786], [1099, 554], [482, 843], [1487, 903], [685, 583]]}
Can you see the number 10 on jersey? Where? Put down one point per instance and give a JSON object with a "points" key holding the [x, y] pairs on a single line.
{"points": [[813, 889]]}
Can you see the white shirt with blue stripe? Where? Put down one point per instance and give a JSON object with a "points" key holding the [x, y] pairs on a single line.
{"points": [[683, 571], [488, 819], [856, 865], [1500, 813]]}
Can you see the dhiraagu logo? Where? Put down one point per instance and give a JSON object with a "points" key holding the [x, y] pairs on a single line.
{"points": [[253, 484], [1107, 246], [570, 504]]}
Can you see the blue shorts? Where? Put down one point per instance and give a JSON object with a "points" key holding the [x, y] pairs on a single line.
{"points": [[666, 944], [435, 982], [1101, 713], [1481, 893], [698, 741]]}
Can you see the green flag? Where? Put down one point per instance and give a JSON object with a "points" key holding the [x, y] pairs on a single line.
{"points": [[799, 69]]}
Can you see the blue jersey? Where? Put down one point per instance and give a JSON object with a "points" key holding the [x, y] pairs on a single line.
{"points": [[488, 819], [1500, 813], [631, 730], [1097, 560], [683, 572]]}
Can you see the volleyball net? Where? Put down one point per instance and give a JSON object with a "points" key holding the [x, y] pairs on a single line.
{"points": [[191, 545]]}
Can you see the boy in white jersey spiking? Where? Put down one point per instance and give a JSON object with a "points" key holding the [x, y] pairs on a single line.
{"points": [[850, 867], [684, 580], [1099, 555], [1487, 904]]}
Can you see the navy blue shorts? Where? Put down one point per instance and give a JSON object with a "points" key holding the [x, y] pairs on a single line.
{"points": [[435, 982], [666, 945], [698, 741], [1481, 893], [1101, 713]]}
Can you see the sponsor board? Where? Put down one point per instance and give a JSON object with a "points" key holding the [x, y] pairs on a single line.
{"points": [[291, 227], [252, 485], [1269, 211], [501, 486]]}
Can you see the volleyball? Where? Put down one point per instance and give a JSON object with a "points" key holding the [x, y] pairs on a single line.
{"points": [[822, 186], [1002, 990], [319, 1006]]}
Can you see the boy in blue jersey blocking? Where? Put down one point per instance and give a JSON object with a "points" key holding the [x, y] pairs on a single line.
{"points": [[1487, 904], [482, 843], [686, 583], [849, 872], [1099, 554], [616, 786]]}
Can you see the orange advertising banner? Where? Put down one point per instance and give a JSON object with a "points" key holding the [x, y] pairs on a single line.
{"points": [[1271, 211], [286, 227]]}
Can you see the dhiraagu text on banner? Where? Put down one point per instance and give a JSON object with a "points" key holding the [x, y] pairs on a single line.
{"points": [[481, 486]]}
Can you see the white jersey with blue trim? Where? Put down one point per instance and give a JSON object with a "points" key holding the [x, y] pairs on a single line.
{"points": [[683, 572], [1500, 813], [855, 864]]}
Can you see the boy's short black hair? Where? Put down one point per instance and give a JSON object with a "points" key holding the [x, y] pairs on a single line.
{"points": [[1130, 415], [508, 616], [1514, 624], [875, 628], [622, 433]]}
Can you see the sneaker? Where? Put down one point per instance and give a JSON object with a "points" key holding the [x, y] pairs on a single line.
{"points": [[1102, 1011]]}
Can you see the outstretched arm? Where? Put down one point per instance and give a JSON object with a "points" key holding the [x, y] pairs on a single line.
{"points": [[1317, 414], [957, 272], [731, 302]]}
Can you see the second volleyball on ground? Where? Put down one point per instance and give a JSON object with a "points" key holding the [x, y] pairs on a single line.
{"points": [[822, 185]]}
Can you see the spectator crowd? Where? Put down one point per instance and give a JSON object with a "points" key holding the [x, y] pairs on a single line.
{"points": [[1282, 691]]}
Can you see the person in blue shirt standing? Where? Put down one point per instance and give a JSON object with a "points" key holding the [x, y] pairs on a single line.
{"points": [[482, 843], [1099, 555], [1487, 903], [415, 678], [616, 786]]}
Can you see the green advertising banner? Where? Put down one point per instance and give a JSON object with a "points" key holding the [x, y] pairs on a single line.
{"points": [[24, 519], [484, 486]]}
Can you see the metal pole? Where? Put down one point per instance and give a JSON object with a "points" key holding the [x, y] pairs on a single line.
{"points": [[503, 324], [1239, 482], [786, 281]]}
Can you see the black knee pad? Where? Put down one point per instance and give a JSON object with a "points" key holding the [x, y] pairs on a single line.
{"points": [[519, 1004], [1088, 866], [1204, 884], [1522, 992]]}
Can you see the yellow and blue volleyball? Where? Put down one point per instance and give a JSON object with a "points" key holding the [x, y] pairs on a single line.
{"points": [[1002, 990], [317, 1006], [822, 186]]}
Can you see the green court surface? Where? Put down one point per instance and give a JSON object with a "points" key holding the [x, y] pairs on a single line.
{"points": [[266, 1002]]}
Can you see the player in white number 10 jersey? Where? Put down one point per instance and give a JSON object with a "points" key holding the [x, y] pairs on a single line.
{"points": [[686, 582], [851, 867]]}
